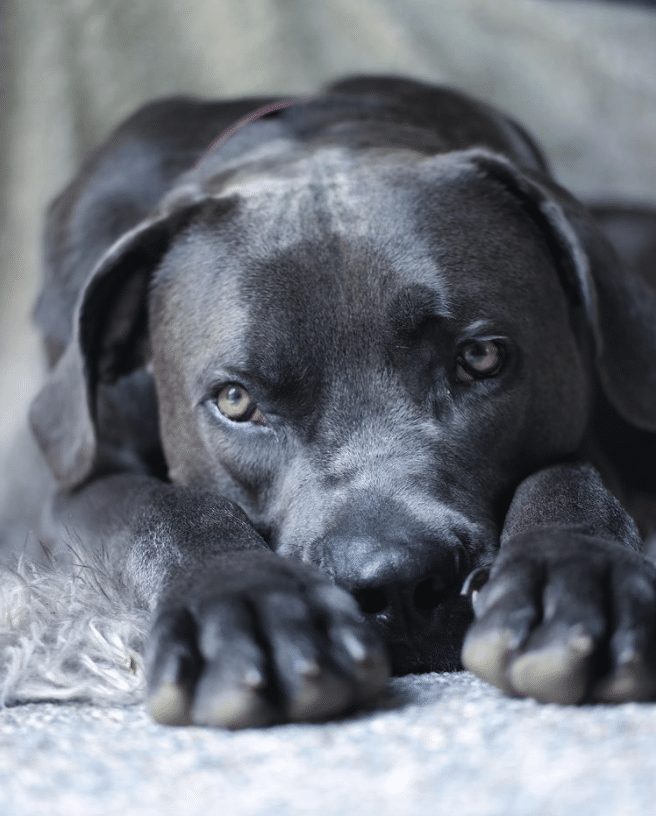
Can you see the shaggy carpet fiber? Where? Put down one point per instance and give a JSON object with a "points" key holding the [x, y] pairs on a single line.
{"points": [[447, 744]]}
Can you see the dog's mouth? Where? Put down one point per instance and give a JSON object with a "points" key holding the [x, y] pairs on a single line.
{"points": [[427, 639]]}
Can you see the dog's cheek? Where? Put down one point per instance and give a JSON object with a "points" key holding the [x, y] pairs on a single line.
{"points": [[183, 447], [556, 406]]}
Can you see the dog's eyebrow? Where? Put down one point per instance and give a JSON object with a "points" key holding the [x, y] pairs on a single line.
{"points": [[282, 386], [413, 306], [217, 372]]}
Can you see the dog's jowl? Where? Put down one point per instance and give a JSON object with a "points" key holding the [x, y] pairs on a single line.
{"points": [[316, 367]]}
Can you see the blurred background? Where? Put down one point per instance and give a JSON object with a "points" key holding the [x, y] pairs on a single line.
{"points": [[581, 76]]}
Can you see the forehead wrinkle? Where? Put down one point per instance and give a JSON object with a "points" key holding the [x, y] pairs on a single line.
{"points": [[338, 188], [338, 324], [344, 269], [196, 309]]}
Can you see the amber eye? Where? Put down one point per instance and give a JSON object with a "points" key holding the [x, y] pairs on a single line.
{"points": [[479, 359], [235, 403]]}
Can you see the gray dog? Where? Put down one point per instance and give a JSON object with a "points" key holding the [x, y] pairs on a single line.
{"points": [[317, 365]]}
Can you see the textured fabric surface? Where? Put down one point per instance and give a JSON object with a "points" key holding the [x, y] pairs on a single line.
{"points": [[439, 743], [69, 633], [451, 745]]}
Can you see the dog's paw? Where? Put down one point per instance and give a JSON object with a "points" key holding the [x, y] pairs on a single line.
{"points": [[566, 618], [261, 641]]}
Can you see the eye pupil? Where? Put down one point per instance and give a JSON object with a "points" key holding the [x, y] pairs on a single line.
{"points": [[234, 394]]}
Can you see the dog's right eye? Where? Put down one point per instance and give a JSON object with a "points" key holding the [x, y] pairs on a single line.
{"points": [[236, 404]]}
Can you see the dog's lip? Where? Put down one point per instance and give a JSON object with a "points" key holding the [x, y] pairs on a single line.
{"points": [[418, 643], [420, 657]]}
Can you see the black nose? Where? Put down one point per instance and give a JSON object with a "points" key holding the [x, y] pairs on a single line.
{"points": [[411, 596], [403, 596], [406, 575]]}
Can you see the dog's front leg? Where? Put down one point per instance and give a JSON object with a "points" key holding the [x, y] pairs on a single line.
{"points": [[241, 637], [569, 610]]}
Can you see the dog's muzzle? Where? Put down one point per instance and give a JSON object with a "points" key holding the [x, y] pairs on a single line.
{"points": [[407, 578]]}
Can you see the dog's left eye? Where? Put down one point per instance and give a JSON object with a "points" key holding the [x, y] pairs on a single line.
{"points": [[236, 404], [479, 359]]}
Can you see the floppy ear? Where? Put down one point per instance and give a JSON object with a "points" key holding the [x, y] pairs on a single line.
{"points": [[117, 187], [109, 340], [619, 305]]}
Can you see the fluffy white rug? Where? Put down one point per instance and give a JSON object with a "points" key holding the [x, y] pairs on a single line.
{"points": [[69, 634]]}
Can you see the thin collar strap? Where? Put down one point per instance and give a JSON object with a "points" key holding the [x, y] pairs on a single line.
{"points": [[260, 113]]}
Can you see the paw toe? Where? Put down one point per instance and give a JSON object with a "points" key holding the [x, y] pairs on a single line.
{"points": [[555, 673]]}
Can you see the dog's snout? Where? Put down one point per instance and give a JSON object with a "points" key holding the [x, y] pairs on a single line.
{"points": [[411, 608], [406, 571]]}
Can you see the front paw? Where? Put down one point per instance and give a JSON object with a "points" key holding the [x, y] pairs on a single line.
{"points": [[260, 641], [566, 618]]}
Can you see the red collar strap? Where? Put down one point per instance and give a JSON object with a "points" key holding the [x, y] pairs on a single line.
{"points": [[260, 113]]}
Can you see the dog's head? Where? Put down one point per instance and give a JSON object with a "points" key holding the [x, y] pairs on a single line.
{"points": [[367, 351]]}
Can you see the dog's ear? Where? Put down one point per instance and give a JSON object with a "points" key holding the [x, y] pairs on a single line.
{"points": [[116, 188], [619, 305], [109, 339]]}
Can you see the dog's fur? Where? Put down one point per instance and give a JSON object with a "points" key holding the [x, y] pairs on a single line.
{"points": [[340, 354]]}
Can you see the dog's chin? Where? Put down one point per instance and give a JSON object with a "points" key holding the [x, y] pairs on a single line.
{"points": [[435, 651], [406, 659]]}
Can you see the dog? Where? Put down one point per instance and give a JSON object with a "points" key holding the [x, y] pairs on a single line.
{"points": [[349, 386]]}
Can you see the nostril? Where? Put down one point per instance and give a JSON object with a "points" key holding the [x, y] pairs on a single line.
{"points": [[371, 601], [428, 594]]}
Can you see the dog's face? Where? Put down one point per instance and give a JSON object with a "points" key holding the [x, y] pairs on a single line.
{"points": [[368, 356]]}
